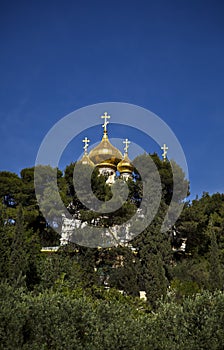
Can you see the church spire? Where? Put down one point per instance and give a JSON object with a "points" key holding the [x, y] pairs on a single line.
{"points": [[125, 167], [86, 142], [127, 143], [164, 148], [104, 126], [85, 159]]}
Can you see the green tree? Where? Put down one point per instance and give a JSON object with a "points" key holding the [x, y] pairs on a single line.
{"points": [[215, 276], [18, 263], [118, 269], [155, 281], [189, 276], [20, 251], [10, 189], [6, 237]]}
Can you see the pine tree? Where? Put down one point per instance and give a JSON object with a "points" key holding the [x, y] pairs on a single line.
{"points": [[154, 252], [215, 278], [154, 278], [18, 260], [6, 231]]}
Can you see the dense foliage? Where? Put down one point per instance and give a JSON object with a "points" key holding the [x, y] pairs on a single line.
{"points": [[85, 298], [61, 318]]}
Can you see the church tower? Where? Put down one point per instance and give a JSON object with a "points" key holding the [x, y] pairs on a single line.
{"points": [[125, 167], [85, 159], [105, 156]]}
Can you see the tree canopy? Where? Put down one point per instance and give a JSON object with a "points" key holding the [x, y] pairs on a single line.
{"points": [[80, 297]]}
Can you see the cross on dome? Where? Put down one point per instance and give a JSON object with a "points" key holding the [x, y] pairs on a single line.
{"points": [[105, 117], [86, 142], [164, 148], [126, 142]]}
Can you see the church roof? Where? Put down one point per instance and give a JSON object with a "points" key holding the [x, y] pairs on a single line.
{"points": [[105, 150], [86, 161], [125, 166]]}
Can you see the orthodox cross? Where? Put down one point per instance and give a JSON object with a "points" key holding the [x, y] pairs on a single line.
{"points": [[86, 142], [164, 148], [105, 117], [126, 142]]}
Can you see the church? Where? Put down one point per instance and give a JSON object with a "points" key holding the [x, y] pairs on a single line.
{"points": [[107, 158], [113, 165], [110, 162]]}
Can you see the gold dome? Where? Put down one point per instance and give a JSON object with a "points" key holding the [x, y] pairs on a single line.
{"points": [[109, 163], [86, 161], [105, 152], [125, 165]]}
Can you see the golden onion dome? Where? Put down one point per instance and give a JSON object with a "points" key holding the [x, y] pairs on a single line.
{"points": [[86, 161], [105, 152], [125, 165], [109, 163]]}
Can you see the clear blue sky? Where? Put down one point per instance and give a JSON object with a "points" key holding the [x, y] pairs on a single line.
{"points": [[166, 56]]}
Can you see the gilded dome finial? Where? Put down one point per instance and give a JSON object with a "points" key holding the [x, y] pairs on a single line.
{"points": [[106, 122], [125, 166], [164, 148], [126, 142], [85, 159], [86, 142]]}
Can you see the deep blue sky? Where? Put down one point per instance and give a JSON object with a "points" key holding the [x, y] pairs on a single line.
{"points": [[166, 56]]}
